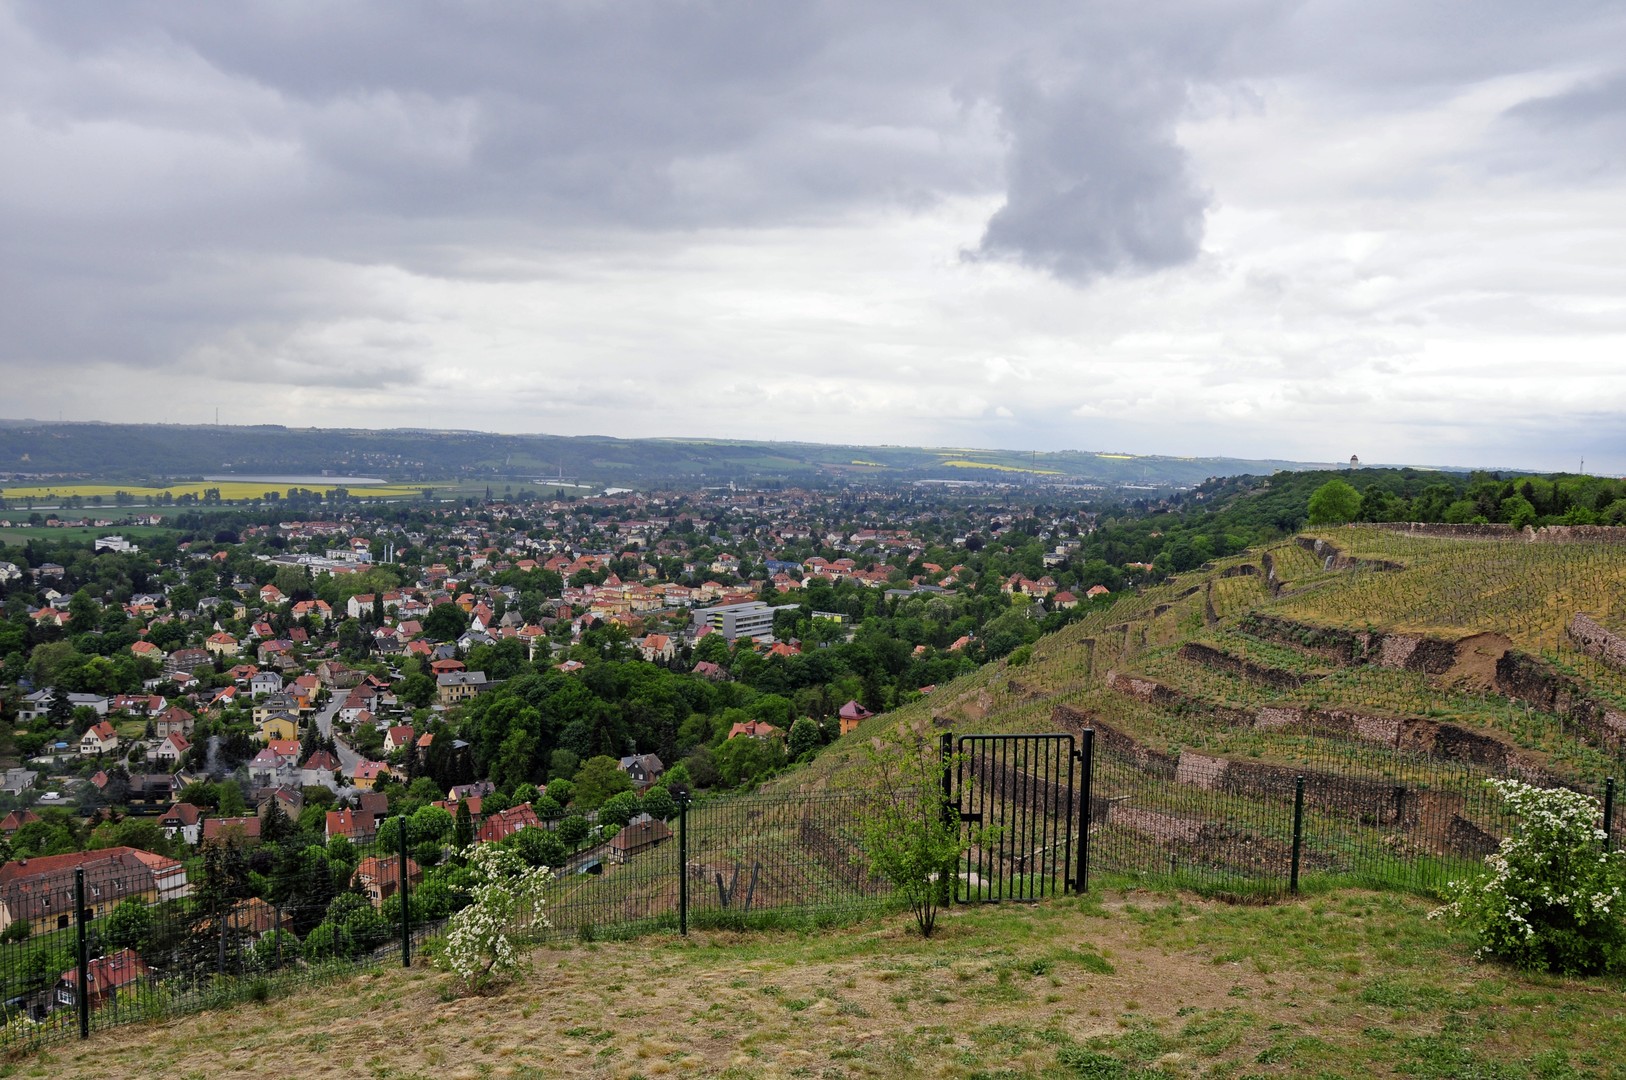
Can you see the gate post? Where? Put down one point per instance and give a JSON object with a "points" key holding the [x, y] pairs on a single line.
{"points": [[1081, 881], [1608, 813], [1298, 832], [83, 997], [683, 862], [406, 911], [946, 752]]}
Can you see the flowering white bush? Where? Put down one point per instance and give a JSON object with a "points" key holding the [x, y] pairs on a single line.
{"points": [[1553, 897], [507, 898]]}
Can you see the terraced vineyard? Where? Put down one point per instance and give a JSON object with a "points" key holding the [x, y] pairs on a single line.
{"points": [[1367, 660]]}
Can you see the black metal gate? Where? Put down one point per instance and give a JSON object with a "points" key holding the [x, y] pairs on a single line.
{"points": [[1022, 802]]}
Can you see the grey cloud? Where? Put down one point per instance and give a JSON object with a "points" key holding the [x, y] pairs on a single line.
{"points": [[1096, 182]]}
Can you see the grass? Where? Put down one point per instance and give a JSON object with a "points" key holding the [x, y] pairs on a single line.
{"points": [[1126, 983]]}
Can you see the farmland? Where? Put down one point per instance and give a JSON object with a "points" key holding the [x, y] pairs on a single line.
{"points": [[228, 490]]}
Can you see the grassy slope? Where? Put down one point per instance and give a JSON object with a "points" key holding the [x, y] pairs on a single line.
{"points": [[1340, 985]]}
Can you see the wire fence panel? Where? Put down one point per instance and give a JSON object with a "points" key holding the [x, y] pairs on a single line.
{"points": [[91, 940]]}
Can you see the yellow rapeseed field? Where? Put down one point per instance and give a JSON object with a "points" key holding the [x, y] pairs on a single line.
{"points": [[1000, 468]]}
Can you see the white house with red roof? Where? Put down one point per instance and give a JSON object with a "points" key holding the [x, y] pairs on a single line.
{"points": [[99, 738]]}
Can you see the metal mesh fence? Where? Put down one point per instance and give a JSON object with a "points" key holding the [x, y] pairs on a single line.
{"points": [[95, 939]]}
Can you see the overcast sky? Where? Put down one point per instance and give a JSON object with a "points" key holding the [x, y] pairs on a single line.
{"points": [[1243, 227]]}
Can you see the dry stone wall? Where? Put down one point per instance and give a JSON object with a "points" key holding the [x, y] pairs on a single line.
{"points": [[1597, 641]]}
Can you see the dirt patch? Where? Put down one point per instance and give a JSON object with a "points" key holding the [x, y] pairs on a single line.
{"points": [[1474, 666]]}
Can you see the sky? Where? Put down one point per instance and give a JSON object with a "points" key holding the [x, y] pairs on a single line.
{"points": [[1223, 227]]}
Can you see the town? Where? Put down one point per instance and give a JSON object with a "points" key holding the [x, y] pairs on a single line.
{"points": [[244, 703]]}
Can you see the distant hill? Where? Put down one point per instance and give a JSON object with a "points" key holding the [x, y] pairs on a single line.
{"points": [[153, 451]]}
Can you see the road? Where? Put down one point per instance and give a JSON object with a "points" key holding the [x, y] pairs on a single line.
{"points": [[348, 758]]}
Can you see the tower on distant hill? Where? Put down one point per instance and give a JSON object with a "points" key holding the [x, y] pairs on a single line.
{"points": [[1354, 461]]}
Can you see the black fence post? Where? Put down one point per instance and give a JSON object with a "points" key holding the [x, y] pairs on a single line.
{"points": [[83, 996], [946, 753], [683, 865], [1298, 832], [406, 910], [1608, 813], [1087, 765]]}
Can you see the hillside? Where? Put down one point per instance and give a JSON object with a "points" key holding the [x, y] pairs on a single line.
{"points": [[1360, 644], [124, 451], [1127, 985]]}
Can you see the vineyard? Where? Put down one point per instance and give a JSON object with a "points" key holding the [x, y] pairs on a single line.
{"points": [[1423, 663]]}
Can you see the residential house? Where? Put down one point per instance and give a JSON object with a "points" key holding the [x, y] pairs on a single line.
{"points": [[257, 918], [369, 773], [851, 715], [16, 819], [755, 729], [171, 749], [356, 825], [502, 825], [98, 739], [40, 891], [237, 830], [459, 686], [279, 726], [642, 833], [221, 644], [15, 781], [105, 977], [319, 770], [182, 820], [174, 721], [399, 737], [189, 661], [38, 704], [265, 682], [642, 769], [379, 877], [271, 769], [657, 647]]}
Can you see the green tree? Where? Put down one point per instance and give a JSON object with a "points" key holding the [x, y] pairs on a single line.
{"points": [[445, 623], [129, 925], [659, 804], [1334, 503], [618, 809], [462, 826], [910, 834], [599, 778], [573, 830], [804, 737]]}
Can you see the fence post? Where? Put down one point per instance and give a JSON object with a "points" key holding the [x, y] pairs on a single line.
{"points": [[1608, 813], [1298, 832], [683, 864], [946, 754], [406, 911], [83, 996], [1087, 752]]}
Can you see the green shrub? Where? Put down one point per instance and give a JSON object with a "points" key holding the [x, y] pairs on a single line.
{"points": [[1552, 897]]}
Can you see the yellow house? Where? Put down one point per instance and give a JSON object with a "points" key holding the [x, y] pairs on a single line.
{"points": [[369, 773], [40, 891], [278, 727], [221, 644]]}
